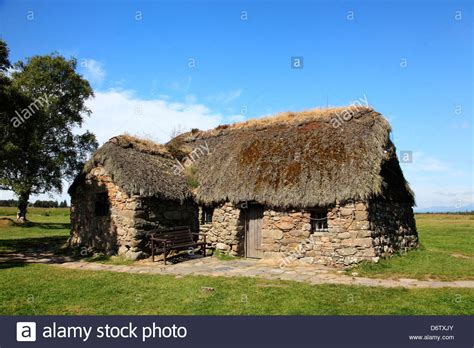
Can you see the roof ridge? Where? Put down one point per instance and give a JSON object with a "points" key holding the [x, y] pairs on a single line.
{"points": [[139, 144]]}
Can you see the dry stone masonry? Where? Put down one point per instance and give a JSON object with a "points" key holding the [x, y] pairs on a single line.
{"points": [[123, 229], [356, 231], [226, 232], [359, 231]]}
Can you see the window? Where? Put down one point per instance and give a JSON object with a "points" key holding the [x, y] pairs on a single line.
{"points": [[319, 220], [206, 216], [101, 204]]}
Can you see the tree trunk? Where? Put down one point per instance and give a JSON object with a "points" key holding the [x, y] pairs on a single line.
{"points": [[22, 206]]}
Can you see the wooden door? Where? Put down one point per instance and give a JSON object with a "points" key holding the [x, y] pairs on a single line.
{"points": [[253, 232]]}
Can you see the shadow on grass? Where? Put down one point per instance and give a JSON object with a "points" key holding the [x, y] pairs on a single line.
{"points": [[98, 258], [43, 225], [15, 252], [9, 222], [12, 265], [24, 251], [54, 245]]}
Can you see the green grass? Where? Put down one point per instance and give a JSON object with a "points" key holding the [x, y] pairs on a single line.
{"points": [[47, 228], [446, 252], [109, 260], [33, 289], [43, 289], [42, 222], [222, 256]]}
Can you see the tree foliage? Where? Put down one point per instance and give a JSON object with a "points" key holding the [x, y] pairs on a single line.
{"points": [[42, 105], [4, 62]]}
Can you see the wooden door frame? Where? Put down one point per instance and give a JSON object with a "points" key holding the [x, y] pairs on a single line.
{"points": [[246, 227]]}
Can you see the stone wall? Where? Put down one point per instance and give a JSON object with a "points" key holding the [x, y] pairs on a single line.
{"points": [[283, 232], [348, 239], [226, 232], [357, 231], [123, 230], [286, 235], [393, 227], [107, 233]]}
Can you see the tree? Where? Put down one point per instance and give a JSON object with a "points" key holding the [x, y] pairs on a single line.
{"points": [[4, 62], [42, 106], [45, 204]]}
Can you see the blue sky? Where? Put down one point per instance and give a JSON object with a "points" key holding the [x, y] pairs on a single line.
{"points": [[158, 66]]}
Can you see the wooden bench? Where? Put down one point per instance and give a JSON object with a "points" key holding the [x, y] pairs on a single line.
{"points": [[177, 238]]}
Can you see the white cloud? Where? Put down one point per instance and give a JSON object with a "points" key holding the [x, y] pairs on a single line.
{"points": [[93, 70], [436, 182], [117, 111], [190, 99], [182, 85], [225, 97], [429, 165], [430, 195]]}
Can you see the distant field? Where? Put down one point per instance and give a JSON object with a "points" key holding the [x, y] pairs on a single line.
{"points": [[45, 222], [46, 227], [30, 289], [446, 252]]}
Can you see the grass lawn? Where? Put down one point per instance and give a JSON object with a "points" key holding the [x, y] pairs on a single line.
{"points": [[446, 252], [33, 289], [47, 227], [43, 289]]}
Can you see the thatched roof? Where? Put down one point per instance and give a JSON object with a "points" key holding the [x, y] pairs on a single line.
{"points": [[139, 167], [301, 159], [306, 159]]}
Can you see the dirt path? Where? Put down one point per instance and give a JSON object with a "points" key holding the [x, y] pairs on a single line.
{"points": [[249, 268]]}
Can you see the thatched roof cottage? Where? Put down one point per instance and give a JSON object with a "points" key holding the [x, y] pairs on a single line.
{"points": [[321, 186], [127, 188]]}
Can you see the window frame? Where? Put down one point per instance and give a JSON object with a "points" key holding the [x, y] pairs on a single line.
{"points": [[319, 220], [207, 214]]}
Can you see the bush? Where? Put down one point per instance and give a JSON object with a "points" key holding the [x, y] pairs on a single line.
{"points": [[45, 204], [8, 203]]}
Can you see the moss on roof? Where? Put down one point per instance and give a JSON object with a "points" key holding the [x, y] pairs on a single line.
{"points": [[301, 159]]}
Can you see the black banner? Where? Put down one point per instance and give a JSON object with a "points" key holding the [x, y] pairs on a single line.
{"points": [[231, 331]]}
